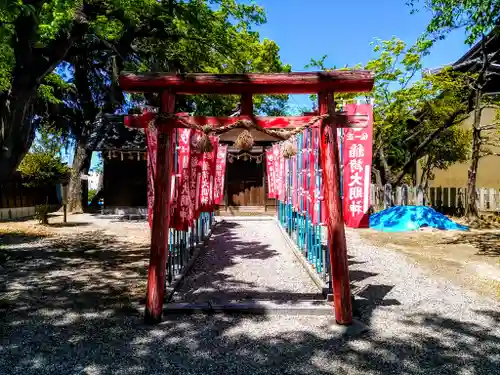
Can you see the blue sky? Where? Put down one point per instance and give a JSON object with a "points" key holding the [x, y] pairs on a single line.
{"points": [[343, 30]]}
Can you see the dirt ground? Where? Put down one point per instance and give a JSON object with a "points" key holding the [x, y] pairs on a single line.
{"points": [[108, 257], [470, 259], [71, 304]]}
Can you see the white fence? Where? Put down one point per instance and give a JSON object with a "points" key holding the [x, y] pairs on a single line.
{"points": [[445, 199]]}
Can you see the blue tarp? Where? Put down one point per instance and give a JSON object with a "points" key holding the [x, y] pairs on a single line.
{"points": [[408, 218]]}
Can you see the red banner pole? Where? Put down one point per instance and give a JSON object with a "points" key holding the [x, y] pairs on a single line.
{"points": [[161, 217], [333, 205]]}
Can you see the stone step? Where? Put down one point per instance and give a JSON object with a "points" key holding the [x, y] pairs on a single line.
{"points": [[261, 307]]}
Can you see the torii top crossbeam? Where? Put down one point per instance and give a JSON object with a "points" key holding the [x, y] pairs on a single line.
{"points": [[253, 83]]}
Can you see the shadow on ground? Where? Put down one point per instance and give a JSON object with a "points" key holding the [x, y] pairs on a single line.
{"points": [[487, 243], [18, 238], [84, 272], [68, 225], [208, 280], [67, 309]]}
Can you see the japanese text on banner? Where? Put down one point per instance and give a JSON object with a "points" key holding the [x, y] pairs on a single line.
{"points": [[357, 157]]}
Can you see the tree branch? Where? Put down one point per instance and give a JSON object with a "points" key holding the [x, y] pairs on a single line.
{"points": [[385, 165], [491, 106], [492, 154], [419, 151], [418, 132], [48, 59], [490, 126]]}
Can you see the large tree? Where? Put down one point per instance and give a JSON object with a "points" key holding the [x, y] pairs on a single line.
{"points": [[35, 36], [480, 19], [179, 37]]}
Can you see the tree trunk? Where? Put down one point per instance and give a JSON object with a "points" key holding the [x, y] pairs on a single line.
{"points": [[81, 165], [471, 211], [426, 174], [100, 183], [16, 127]]}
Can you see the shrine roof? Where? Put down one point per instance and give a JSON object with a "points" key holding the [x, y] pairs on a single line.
{"points": [[255, 83], [471, 61], [112, 134]]}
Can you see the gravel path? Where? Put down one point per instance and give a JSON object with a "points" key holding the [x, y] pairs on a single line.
{"points": [[247, 260], [66, 310]]}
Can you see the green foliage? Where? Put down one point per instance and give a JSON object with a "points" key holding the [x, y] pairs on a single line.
{"points": [[42, 166], [147, 35], [216, 41], [42, 169], [453, 146], [53, 90], [51, 20], [477, 17], [412, 109], [92, 194]]}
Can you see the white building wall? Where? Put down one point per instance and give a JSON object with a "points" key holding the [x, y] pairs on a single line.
{"points": [[93, 180]]}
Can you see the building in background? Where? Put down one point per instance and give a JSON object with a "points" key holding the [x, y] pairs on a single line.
{"points": [[93, 180], [488, 175]]}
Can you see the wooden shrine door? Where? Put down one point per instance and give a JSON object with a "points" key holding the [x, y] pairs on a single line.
{"points": [[245, 183]]}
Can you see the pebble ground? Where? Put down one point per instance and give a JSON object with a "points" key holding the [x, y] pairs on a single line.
{"points": [[247, 260], [57, 316]]}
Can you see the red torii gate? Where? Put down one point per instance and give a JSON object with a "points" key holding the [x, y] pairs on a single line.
{"points": [[325, 84]]}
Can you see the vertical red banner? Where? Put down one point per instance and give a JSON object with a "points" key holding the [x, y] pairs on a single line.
{"points": [[294, 189], [152, 152], [357, 160], [183, 201], [312, 174], [270, 173], [208, 177], [152, 147], [220, 173], [195, 177], [278, 172], [303, 172]]}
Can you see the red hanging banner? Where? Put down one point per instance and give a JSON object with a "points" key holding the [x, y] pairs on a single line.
{"points": [[183, 205], [220, 173], [151, 139], [357, 159], [270, 173], [312, 173], [286, 186], [294, 188], [152, 151], [278, 172], [208, 162], [195, 177], [303, 173]]}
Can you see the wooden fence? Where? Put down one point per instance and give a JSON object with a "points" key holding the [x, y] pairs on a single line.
{"points": [[13, 194], [449, 200], [18, 201]]}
